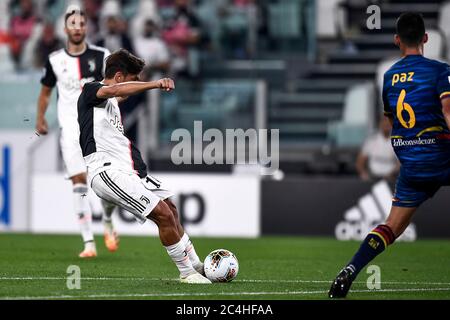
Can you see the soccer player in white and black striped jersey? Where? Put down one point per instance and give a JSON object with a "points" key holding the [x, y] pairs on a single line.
{"points": [[116, 171], [69, 69]]}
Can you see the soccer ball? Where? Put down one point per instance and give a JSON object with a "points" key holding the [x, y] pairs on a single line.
{"points": [[221, 265]]}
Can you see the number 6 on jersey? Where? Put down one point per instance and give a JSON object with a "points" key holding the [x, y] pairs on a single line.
{"points": [[403, 106]]}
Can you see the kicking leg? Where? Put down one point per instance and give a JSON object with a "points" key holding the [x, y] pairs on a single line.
{"points": [[171, 240], [192, 254], [374, 244], [84, 214], [128, 192]]}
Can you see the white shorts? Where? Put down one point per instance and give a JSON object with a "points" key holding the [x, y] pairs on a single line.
{"points": [[71, 151], [128, 191]]}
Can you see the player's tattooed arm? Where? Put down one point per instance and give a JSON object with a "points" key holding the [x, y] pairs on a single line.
{"points": [[126, 89], [446, 110], [43, 102]]}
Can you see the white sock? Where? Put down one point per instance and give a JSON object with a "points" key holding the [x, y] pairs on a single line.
{"points": [[179, 255], [83, 212], [195, 260], [108, 209]]}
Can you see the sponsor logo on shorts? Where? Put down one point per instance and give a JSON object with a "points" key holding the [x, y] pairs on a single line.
{"points": [[145, 199]]}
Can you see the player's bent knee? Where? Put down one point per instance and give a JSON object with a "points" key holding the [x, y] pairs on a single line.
{"points": [[172, 207], [162, 214]]}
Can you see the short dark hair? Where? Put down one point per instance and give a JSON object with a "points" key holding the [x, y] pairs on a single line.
{"points": [[410, 28], [123, 61], [71, 13]]}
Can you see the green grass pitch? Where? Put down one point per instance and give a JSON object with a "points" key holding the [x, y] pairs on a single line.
{"points": [[35, 266]]}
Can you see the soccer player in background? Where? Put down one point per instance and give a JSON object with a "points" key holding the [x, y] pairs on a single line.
{"points": [[69, 69], [416, 97], [377, 159], [116, 171]]}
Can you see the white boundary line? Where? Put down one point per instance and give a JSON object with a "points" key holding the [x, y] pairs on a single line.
{"points": [[18, 278], [204, 294]]}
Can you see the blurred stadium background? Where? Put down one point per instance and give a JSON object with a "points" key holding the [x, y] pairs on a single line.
{"points": [[308, 68]]}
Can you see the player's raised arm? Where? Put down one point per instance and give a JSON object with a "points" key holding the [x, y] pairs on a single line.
{"points": [[130, 88], [122, 77]]}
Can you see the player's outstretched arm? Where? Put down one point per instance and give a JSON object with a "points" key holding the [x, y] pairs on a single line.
{"points": [[126, 89], [43, 102], [446, 110]]}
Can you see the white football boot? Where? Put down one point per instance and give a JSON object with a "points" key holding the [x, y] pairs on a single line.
{"points": [[90, 250], [195, 278]]}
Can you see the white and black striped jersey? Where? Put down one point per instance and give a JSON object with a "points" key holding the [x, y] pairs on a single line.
{"points": [[69, 73], [102, 139]]}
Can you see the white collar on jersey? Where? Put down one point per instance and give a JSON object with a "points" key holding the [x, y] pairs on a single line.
{"points": [[79, 53]]}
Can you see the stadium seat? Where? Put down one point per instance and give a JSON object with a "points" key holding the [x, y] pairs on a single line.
{"points": [[443, 25], [434, 48], [284, 20], [358, 117], [327, 20], [55, 10], [130, 9], [217, 104]]}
